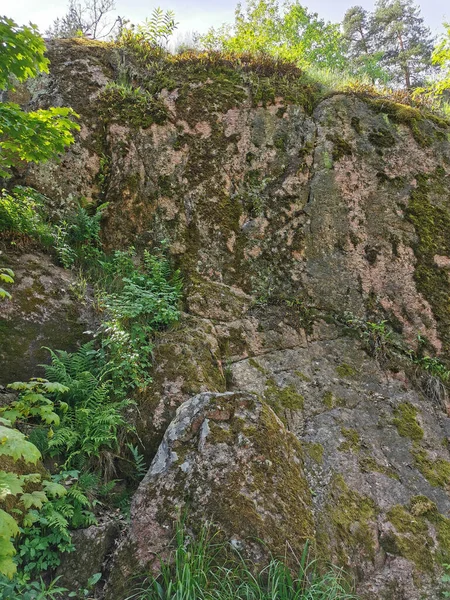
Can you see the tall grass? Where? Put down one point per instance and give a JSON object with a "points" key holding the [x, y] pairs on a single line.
{"points": [[198, 570]]}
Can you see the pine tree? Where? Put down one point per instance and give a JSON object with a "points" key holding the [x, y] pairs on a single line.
{"points": [[363, 55], [399, 32]]}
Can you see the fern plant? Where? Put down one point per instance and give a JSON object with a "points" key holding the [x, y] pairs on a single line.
{"points": [[91, 428], [77, 237], [148, 301], [153, 32]]}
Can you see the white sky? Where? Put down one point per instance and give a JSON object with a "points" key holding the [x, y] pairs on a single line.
{"points": [[199, 15]]}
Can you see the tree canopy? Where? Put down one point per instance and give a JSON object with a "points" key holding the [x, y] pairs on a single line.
{"points": [[399, 31], [441, 58], [290, 32]]}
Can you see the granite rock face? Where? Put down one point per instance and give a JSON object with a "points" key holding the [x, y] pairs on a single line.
{"points": [[294, 227], [47, 310]]}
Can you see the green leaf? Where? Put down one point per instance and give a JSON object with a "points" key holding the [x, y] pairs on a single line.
{"points": [[8, 567], [10, 484], [55, 387], [54, 489], [8, 526], [30, 518], [37, 499], [14, 444]]}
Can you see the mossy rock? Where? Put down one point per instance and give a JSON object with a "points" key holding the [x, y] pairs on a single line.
{"points": [[347, 525], [429, 212], [226, 459], [44, 311], [406, 422], [422, 534]]}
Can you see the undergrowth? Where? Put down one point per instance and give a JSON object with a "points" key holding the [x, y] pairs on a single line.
{"points": [[79, 419], [203, 569]]}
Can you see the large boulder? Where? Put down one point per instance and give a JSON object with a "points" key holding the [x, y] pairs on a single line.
{"points": [[225, 459]]}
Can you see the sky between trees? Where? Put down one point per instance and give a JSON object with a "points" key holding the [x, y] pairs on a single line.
{"points": [[199, 15]]}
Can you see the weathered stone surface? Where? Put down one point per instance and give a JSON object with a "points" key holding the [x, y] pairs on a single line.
{"points": [[45, 310], [92, 547], [282, 220], [227, 459]]}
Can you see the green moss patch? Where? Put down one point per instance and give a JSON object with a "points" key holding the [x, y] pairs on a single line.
{"points": [[131, 106], [351, 517], [428, 211], [279, 484], [368, 464], [345, 370], [425, 126], [302, 376], [406, 422], [341, 147], [327, 399], [414, 541], [282, 399], [352, 440], [437, 472], [314, 451], [414, 538], [382, 138]]}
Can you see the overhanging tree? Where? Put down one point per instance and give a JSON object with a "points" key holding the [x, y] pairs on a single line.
{"points": [[33, 136], [441, 58]]}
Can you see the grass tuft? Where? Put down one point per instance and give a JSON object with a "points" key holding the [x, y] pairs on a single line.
{"points": [[203, 569]]}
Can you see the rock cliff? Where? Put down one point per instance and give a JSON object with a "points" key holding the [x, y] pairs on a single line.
{"points": [[303, 226]]}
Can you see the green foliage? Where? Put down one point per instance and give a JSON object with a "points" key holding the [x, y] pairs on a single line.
{"points": [[198, 570], [147, 302], [123, 103], [13, 444], [441, 58], [35, 136], [406, 43], [21, 587], [139, 461], [47, 531], [33, 403], [434, 366], [22, 53], [6, 276], [290, 33], [22, 212], [93, 422], [38, 135], [154, 32], [363, 53], [77, 237]]}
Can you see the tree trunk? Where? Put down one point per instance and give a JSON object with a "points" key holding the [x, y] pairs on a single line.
{"points": [[405, 66]]}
